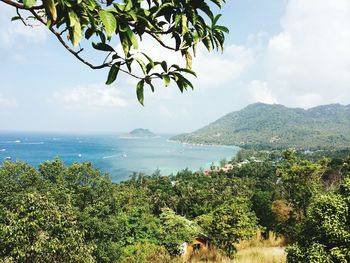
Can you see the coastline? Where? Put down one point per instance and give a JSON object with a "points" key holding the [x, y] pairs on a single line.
{"points": [[203, 144]]}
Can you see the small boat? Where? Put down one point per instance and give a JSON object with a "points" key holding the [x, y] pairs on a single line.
{"points": [[8, 158], [79, 155], [17, 141], [124, 155], [3, 150]]}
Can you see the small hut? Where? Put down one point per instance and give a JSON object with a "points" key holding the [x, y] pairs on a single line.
{"points": [[200, 243]]}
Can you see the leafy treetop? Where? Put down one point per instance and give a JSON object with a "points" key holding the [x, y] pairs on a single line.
{"points": [[186, 22]]}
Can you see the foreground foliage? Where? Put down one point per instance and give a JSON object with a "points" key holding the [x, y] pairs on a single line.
{"points": [[176, 25], [59, 213], [326, 230]]}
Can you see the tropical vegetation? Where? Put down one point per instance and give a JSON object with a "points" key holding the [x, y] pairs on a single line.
{"points": [[58, 213]]}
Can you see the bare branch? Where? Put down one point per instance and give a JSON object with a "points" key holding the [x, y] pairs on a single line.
{"points": [[21, 18], [161, 42], [64, 30]]}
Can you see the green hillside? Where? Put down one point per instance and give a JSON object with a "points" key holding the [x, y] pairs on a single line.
{"points": [[266, 126]]}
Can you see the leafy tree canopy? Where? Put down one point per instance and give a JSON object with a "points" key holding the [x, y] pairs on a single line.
{"points": [[176, 25]]}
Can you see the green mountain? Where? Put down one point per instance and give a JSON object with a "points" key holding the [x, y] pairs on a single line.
{"points": [[265, 126]]}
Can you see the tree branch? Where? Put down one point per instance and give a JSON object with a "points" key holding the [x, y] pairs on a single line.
{"points": [[76, 53], [21, 18], [60, 39], [21, 6]]}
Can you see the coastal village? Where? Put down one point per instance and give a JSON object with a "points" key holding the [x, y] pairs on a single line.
{"points": [[227, 167]]}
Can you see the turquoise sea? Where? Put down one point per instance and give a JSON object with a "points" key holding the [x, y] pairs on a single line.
{"points": [[111, 153]]}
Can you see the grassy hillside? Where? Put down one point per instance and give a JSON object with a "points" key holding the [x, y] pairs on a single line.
{"points": [[276, 126]]}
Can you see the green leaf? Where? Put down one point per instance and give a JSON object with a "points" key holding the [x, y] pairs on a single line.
{"points": [[188, 71], [91, 4], [177, 41], [149, 59], [128, 5], [139, 91], [165, 8], [73, 19], [133, 15], [151, 85], [217, 2], [164, 66], [185, 81], [180, 84], [216, 18], [15, 18], [89, 32], [206, 9], [29, 3], [206, 43], [113, 73], [75, 33], [223, 29], [125, 43], [142, 65], [128, 63], [184, 24], [51, 9], [166, 80], [109, 22], [103, 47], [132, 38]]}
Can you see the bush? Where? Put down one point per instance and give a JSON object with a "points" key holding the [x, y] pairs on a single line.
{"points": [[230, 223], [325, 235], [144, 253]]}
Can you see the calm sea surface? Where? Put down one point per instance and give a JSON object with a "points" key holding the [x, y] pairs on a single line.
{"points": [[111, 153]]}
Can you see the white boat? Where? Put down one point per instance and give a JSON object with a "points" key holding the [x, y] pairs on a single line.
{"points": [[79, 155], [17, 141], [8, 158]]}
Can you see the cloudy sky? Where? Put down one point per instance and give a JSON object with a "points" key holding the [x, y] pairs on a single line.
{"points": [[292, 52]]}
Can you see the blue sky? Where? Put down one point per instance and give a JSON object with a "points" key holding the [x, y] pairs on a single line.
{"points": [[293, 52]]}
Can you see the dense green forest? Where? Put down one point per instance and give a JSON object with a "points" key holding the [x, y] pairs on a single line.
{"points": [[264, 126], [59, 213]]}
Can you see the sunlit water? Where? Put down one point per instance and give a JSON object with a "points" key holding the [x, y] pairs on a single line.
{"points": [[111, 153]]}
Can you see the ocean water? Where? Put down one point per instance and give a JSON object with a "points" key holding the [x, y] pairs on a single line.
{"points": [[118, 156]]}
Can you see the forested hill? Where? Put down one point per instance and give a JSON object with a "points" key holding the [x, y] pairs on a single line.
{"points": [[266, 126]]}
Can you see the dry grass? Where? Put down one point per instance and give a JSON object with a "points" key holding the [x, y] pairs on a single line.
{"points": [[261, 255], [261, 250], [257, 250], [209, 256], [258, 241], [247, 255]]}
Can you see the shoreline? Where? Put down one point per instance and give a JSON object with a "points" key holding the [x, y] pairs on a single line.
{"points": [[204, 144]]}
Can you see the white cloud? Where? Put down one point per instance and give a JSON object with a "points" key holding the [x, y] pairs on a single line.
{"points": [[259, 92], [213, 68], [165, 112], [12, 32], [90, 96], [6, 102], [308, 62]]}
